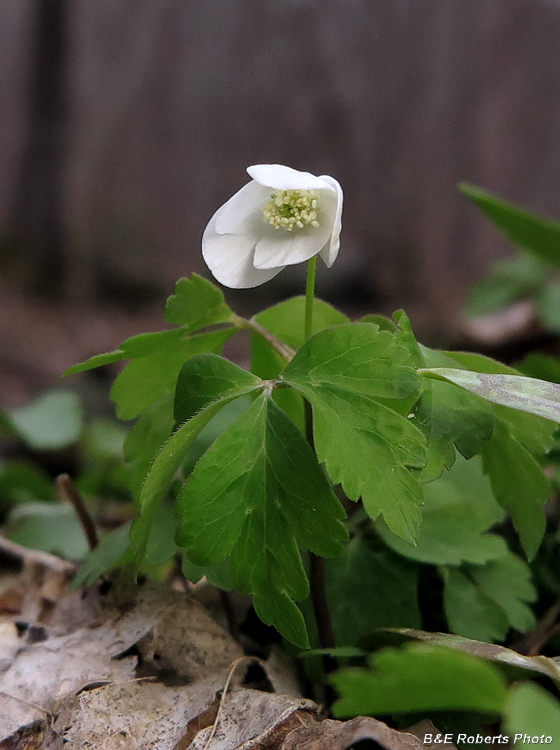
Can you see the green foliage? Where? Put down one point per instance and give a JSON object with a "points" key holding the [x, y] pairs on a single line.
{"points": [[508, 281], [456, 518], [52, 421], [366, 446], [197, 304], [111, 551], [450, 418], [519, 485], [536, 234], [255, 493], [147, 378], [418, 677], [368, 587], [537, 397], [50, 527], [531, 710], [285, 320]]}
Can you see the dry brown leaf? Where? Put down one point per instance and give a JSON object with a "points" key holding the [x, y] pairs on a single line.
{"points": [[252, 720], [165, 624], [134, 715], [338, 735]]}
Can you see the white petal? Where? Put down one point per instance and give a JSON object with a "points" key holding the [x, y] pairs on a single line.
{"points": [[330, 251], [278, 247], [243, 211], [279, 177], [230, 258]]}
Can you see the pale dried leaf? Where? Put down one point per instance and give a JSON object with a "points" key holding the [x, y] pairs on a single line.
{"points": [[134, 715], [338, 735], [252, 720]]}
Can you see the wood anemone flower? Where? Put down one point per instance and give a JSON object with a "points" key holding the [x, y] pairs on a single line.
{"points": [[280, 218]]}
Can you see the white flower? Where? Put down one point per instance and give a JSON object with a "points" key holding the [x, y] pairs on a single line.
{"points": [[280, 218]]}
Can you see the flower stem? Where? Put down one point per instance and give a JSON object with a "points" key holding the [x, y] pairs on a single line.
{"points": [[316, 563], [310, 297]]}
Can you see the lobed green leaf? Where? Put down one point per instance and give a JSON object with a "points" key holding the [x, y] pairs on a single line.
{"points": [[458, 512], [166, 464], [196, 304], [146, 379], [418, 677], [255, 493], [206, 377]]}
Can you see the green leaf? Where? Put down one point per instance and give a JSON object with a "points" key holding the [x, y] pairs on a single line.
{"points": [[531, 710], [507, 582], [105, 557], [161, 542], [357, 357], [469, 611], [21, 481], [450, 418], [7, 428], [146, 379], [534, 396], [370, 587], [536, 365], [285, 320], [548, 306], [535, 433], [50, 527], [511, 661], [536, 234], [51, 422], [166, 464], [99, 360], [519, 485], [206, 378], [146, 438], [197, 303], [507, 282], [365, 446], [254, 494], [418, 677], [459, 510]]}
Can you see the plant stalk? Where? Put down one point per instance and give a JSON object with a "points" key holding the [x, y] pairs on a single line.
{"points": [[316, 563], [310, 297]]}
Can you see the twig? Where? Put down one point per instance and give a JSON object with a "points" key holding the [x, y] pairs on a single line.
{"points": [[234, 666], [319, 599], [544, 629], [69, 492], [35, 556], [283, 349]]}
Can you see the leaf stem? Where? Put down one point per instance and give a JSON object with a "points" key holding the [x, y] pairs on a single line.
{"points": [[310, 297], [283, 349]]}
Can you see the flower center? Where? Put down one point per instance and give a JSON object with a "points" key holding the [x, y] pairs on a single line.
{"points": [[292, 209]]}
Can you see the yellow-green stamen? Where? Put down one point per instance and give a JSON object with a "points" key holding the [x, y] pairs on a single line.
{"points": [[292, 209]]}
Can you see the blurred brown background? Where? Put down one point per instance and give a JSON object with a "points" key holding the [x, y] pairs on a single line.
{"points": [[124, 125]]}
